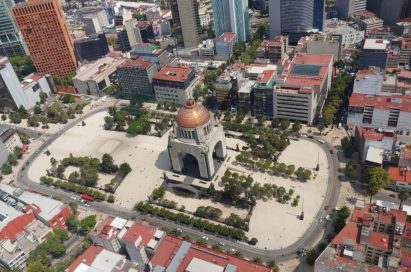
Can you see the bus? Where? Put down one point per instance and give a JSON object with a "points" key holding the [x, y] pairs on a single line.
{"points": [[87, 197]]}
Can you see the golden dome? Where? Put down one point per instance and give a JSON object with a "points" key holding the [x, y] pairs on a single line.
{"points": [[192, 115]]}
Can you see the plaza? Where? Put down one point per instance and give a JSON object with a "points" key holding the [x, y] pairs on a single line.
{"points": [[149, 159]]}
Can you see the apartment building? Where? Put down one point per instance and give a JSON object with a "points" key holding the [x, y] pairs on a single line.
{"points": [[274, 50], [224, 45], [374, 239], [374, 53], [263, 93], [367, 20]]}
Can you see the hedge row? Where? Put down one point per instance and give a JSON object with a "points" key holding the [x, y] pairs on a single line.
{"points": [[192, 221]]}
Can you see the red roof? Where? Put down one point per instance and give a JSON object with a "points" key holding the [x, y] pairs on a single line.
{"points": [[371, 134], [170, 73], [170, 245], [136, 62], [266, 76], [380, 240], [226, 37], [16, 226], [403, 102], [87, 257], [399, 174], [136, 230], [348, 233]]}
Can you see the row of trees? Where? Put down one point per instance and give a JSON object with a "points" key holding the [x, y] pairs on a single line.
{"points": [[191, 221], [12, 160], [247, 159], [79, 189], [338, 95]]}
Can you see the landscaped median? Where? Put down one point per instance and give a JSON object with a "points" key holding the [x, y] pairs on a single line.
{"points": [[191, 221], [80, 189]]}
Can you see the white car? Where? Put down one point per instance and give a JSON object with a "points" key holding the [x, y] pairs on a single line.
{"points": [[73, 197], [204, 237], [221, 243]]}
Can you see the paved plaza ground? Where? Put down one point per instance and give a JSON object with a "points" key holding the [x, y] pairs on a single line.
{"points": [[146, 155], [275, 225]]}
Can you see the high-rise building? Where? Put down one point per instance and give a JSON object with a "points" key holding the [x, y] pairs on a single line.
{"points": [[390, 11], [135, 77], [133, 32], [122, 39], [47, 36], [232, 16], [348, 7], [319, 14], [91, 48], [186, 22], [10, 41], [291, 17]]}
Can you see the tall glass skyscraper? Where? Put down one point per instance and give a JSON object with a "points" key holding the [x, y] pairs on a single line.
{"points": [[10, 41], [232, 16], [294, 17]]}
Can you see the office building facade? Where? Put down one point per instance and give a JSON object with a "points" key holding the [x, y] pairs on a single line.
{"points": [[10, 40], [135, 77], [174, 84], [45, 31], [91, 48], [186, 22], [232, 16], [123, 43], [291, 17], [347, 7]]}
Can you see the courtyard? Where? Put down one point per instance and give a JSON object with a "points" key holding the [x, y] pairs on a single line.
{"points": [[271, 222]]}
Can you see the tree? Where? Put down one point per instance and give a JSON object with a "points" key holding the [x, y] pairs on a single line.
{"points": [[379, 176], [138, 126], [253, 241], [74, 177], [111, 199], [22, 65], [18, 152], [68, 99], [88, 175], [37, 109], [12, 159], [284, 124], [351, 170], [158, 192], [403, 196], [36, 267], [257, 260], [6, 168], [60, 171], [108, 123], [321, 128], [72, 222], [296, 126], [107, 164], [273, 265], [43, 97], [372, 189], [124, 169], [347, 147], [15, 117], [87, 224], [312, 255], [23, 112], [61, 234]]}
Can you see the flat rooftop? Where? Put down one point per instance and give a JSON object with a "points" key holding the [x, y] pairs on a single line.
{"points": [[99, 69], [49, 207], [170, 73], [385, 102], [376, 44]]}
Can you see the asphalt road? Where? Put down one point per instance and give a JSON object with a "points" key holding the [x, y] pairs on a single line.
{"points": [[310, 236]]}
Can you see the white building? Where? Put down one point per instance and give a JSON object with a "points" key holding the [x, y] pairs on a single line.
{"points": [[8, 141], [133, 32], [347, 34], [390, 111], [302, 87], [14, 93], [95, 77]]}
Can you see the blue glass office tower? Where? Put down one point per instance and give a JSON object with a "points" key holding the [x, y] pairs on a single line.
{"points": [[319, 14], [232, 16], [10, 41]]}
